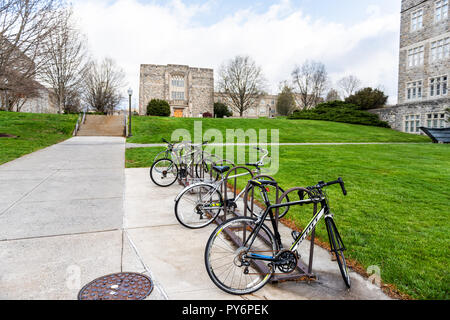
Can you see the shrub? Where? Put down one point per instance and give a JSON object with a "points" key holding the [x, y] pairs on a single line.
{"points": [[160, 108], [221, 110], [368, 98], [339, 111], [207, 115]]}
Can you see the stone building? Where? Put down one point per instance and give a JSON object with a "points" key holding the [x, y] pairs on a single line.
{"points": [[266, 106], [424, 67], [189, 91]]}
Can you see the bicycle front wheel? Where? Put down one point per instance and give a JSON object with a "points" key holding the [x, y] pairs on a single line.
{"points": [[198, 206], [337, 247], [226, 256], [164, 172]]}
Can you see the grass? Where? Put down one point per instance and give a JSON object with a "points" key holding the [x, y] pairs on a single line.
{"points": [[33, 132], [153, 129], [395, 216]]}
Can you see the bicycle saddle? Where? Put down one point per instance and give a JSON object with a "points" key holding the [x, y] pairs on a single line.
{"points": [[221, 169], [259, 183]]}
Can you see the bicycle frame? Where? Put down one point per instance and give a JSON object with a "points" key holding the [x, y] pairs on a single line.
{"points": [[269, 211]]}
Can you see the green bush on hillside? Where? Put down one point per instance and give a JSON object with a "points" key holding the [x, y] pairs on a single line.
{"points": [[339, 111], [159, 108], [221, 110]]}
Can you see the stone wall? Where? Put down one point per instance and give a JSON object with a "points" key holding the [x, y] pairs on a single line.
{"points": [[156, 83], [396, 116]]}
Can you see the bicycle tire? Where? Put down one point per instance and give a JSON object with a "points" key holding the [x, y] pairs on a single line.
{"points": [[193, 218], [226, 243], [172, 168], [337, 247]]}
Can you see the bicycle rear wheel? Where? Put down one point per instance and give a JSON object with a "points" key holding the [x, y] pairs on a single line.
{"points": [[198, 206], [225, 256], [338, 248], [164, 172]]}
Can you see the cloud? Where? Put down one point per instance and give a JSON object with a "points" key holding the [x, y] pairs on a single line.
{"points": [[282, 36]]}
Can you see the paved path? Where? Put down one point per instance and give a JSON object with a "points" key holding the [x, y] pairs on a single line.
{"points": [[155, 145], [61, 218]]}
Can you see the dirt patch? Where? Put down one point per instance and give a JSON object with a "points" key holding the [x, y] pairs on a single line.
{"points": [[5, 135]]}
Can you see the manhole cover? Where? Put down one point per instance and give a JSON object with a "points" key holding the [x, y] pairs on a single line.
{"points": [[119, 286]]}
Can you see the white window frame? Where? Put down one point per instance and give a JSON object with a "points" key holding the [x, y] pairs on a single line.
{"points": [[416, 56], [438, 86], [178, 95], [436, 120], [414, 90], [411, 123], [440, 10], [417, 20], [440, 49]]}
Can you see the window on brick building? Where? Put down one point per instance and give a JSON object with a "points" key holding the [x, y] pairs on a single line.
{"points": [[417, 20], [415, 56], [436, 120], [412, 123], [438, 86], [441, 10], [414, 90], [440, 49]]}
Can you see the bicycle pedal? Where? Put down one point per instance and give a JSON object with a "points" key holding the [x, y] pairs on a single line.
{"points": [[295, 234]]}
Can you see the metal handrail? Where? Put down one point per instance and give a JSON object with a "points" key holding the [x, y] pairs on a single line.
{"points": [[81, 120]]}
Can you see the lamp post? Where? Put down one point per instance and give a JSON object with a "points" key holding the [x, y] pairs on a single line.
{"points": [[130, 93]]}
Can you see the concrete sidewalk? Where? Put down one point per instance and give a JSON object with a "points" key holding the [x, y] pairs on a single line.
{"points": [[175, 255], [61, 218]]}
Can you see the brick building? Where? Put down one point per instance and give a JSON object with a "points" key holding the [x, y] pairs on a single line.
{"points": [[424, 67], [189, 91]]}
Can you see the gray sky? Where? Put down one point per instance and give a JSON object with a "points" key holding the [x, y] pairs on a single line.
{"points": [[359, 37]]}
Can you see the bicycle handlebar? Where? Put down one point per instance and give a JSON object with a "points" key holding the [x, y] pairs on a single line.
{"points": [[339, 181]]}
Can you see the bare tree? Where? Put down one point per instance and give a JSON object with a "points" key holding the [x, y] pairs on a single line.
{"points": [[24, 27], [103, 85], [242, 81], [66, 61], [349, 85], [310, 81]]}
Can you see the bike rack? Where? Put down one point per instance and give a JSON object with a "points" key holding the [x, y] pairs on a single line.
{"points": [[225, 186], [303, 271]]}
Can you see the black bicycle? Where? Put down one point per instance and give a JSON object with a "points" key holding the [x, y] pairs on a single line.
{"points": [[243, 253]]}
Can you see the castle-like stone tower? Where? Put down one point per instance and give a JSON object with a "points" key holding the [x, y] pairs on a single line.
{"points": [[424, 67], [189, 91]]}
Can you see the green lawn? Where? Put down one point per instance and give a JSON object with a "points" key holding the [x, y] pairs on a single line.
{"points": [[396, 215], [33, 132], [153, 129]]}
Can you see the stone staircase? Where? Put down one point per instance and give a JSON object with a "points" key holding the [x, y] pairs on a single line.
{"points": [[98, 125]]}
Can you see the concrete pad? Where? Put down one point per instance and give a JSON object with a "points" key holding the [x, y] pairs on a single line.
{"points": [[73, 185], [57, 267], [178, 264], [38, 219]]}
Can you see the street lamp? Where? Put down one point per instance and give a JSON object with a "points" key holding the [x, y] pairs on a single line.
{"points": [[130, 93]]}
